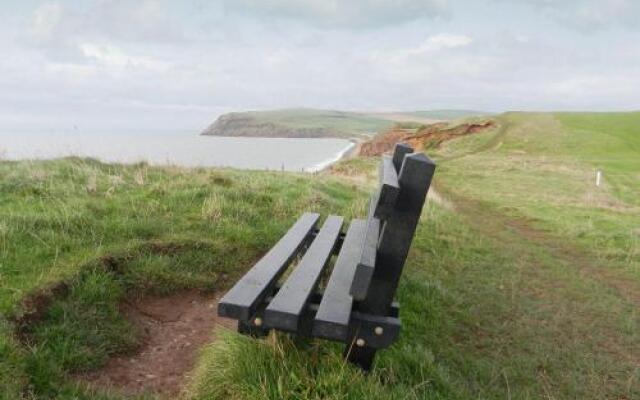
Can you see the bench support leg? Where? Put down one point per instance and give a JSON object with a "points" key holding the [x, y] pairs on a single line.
{"points": [[250, 330], [361, 356]]}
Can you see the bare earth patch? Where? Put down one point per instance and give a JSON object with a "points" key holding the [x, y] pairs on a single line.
{"points": [[174, 329]]}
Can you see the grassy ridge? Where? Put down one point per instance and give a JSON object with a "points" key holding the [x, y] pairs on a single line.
{"points": [[541, 168], [298, 123], [350, 123]]}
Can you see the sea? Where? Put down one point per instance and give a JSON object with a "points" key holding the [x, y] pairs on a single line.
{"points": [[184, 149]]}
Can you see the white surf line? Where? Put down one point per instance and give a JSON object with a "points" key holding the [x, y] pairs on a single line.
{"points": [[324, 164]]}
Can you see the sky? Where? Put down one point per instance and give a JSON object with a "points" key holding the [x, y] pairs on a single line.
{"points": [[177, 65]]}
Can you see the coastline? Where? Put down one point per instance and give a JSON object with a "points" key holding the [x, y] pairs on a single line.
{"points": [[349, 152]]}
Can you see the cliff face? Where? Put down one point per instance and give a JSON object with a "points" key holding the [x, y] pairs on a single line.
{"points": [[428, 136], [244, 125]]}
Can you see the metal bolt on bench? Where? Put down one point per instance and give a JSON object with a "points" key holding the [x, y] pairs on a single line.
{"points": [[356, 307]]}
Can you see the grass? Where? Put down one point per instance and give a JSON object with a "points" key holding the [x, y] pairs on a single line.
{"points": [[540, 168], [520, 283], [109, 231], [324, 123], [483, 318]]}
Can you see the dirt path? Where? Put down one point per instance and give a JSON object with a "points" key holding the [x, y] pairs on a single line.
{"points": [[175, 328], [494, 223]]}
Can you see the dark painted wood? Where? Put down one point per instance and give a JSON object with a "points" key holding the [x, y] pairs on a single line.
{"points": [[394, 310], [398, 231], [334, 313], [315, 231], [363, 357], [367, 263], [286, 308], [357, 307], [363, 326], [388, 173], [386, 196], [415, 172], [399, 151], [376, 331], [249, 329], [243, 299]]}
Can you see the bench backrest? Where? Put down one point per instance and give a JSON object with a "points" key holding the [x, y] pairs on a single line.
{"points": [[394, 213]]}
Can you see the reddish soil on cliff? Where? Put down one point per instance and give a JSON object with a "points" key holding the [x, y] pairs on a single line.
{"points": [[428, 136]]}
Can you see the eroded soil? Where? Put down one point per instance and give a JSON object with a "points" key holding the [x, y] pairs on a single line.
{"points": [[174, 328], [428, 136]]}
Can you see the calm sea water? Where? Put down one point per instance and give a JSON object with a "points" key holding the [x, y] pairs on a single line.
{"points": [[183, 149]]}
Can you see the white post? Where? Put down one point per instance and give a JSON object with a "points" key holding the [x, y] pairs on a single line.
{"points": [[598, 177]]}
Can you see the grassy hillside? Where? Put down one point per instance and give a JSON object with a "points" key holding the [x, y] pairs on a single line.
{"points": [[522, 281], [541, 169], [297, 123]]}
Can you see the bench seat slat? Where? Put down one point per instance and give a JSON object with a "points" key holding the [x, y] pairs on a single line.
{"points": [[334, 313], [243, 299], [285, 310]]}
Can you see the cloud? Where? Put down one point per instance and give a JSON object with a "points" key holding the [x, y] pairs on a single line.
{"points": [[112, 56], [439, 42], [139, 21], [342, 14], [402, 61], [591, 15], [157, 63], [46, 19], [147, 21]]}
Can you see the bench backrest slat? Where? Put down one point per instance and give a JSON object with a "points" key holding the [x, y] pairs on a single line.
{"points": [[415, 171], [388, 191], [399, 151], [285, 310], [243, 299], [367, 262]]}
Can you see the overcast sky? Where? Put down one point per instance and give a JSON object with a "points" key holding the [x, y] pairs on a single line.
{"points": [[176, 65]]}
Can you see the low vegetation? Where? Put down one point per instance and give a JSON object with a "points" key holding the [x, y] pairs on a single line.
{"points": [[77, 236], [541, 169], [522, 281], [300, 123]]}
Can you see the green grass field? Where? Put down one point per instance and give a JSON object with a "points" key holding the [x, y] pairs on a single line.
{"points": [[349, 123], [523, 281], [541, 169]]}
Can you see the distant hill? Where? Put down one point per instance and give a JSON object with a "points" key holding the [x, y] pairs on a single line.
{"points": [[311, 123], [303, 123]]}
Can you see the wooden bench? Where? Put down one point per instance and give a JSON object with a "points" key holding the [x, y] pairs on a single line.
{"points": [[356, 304]]}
